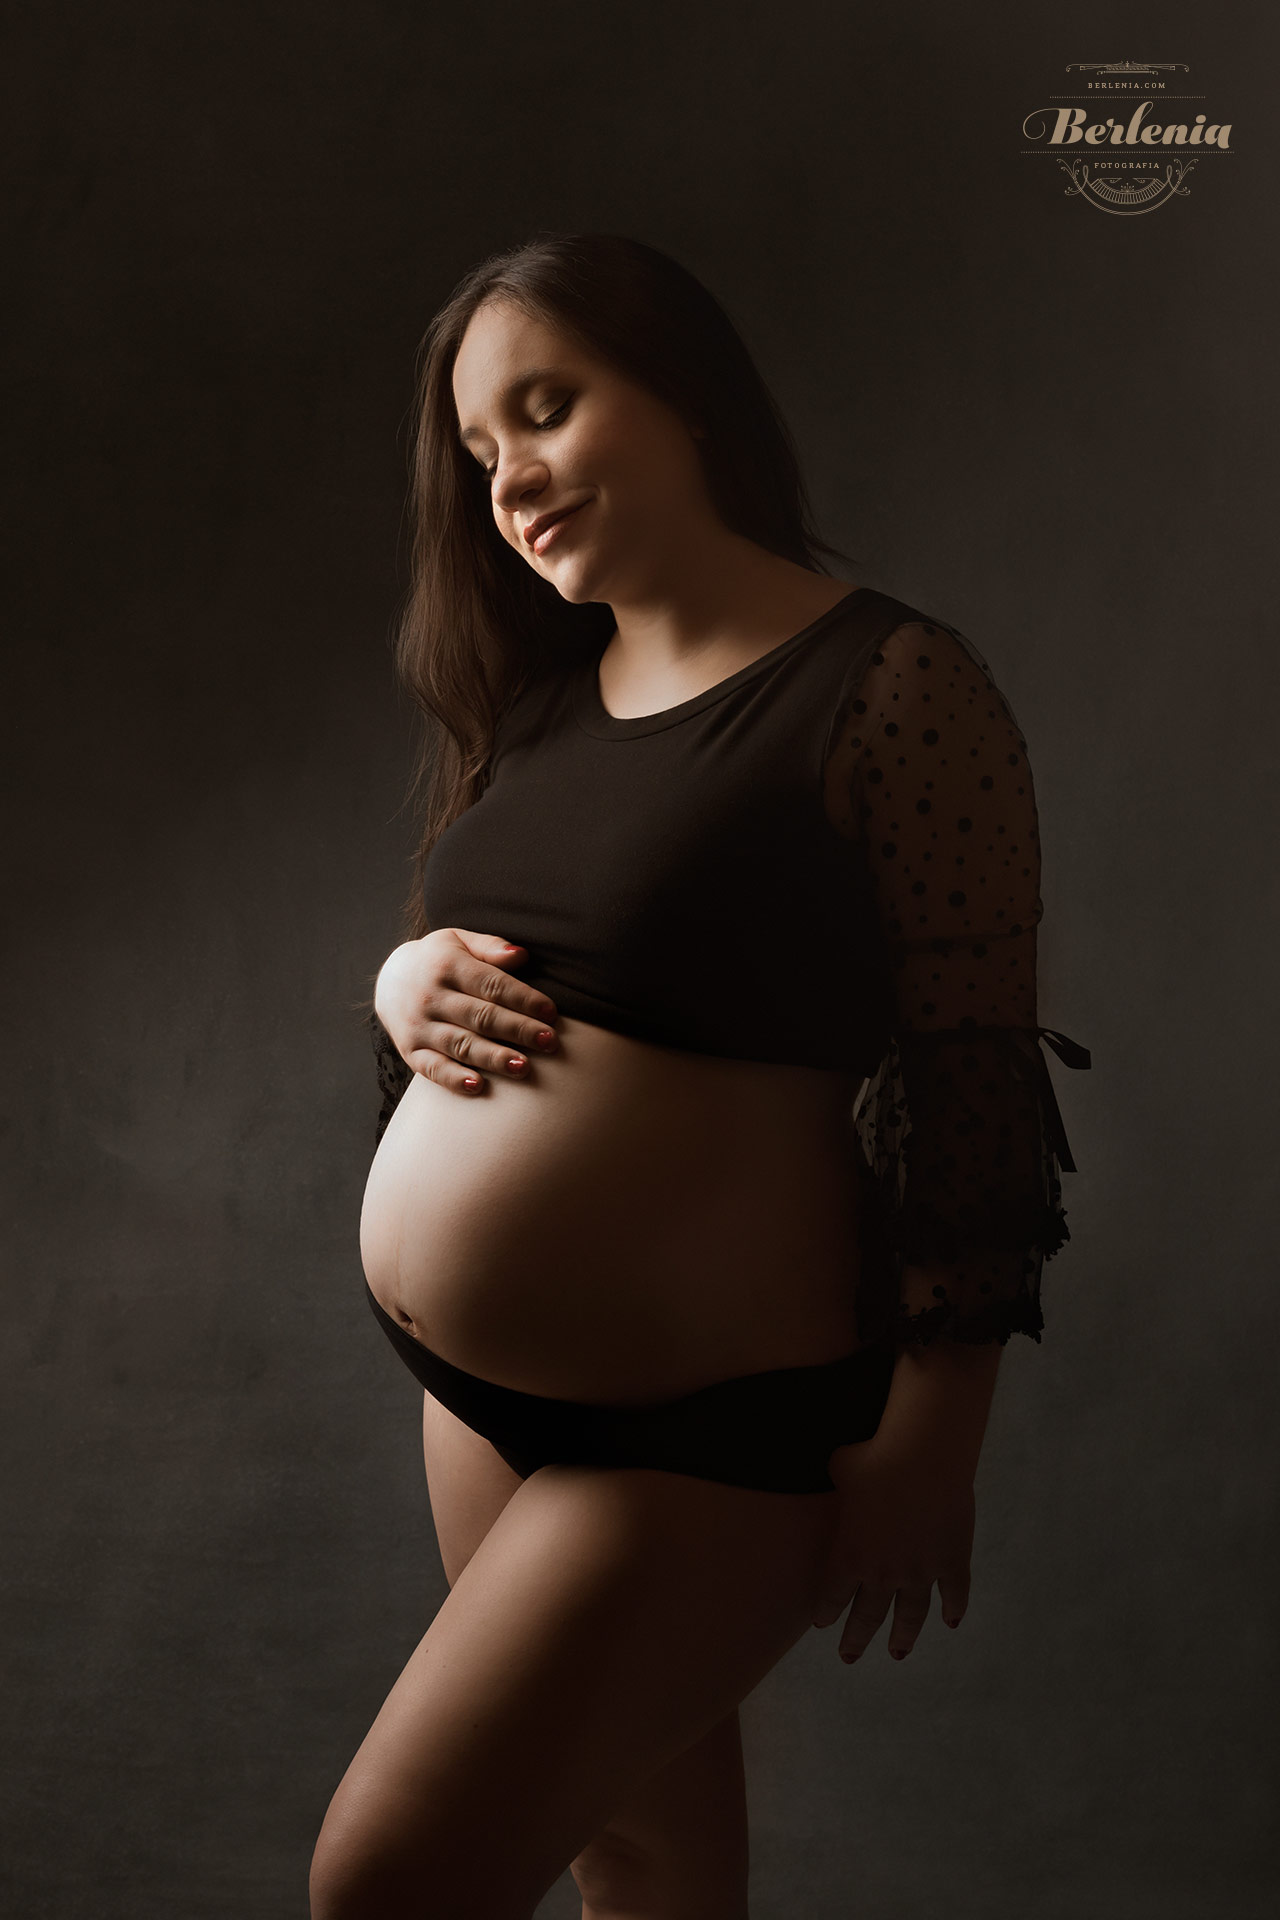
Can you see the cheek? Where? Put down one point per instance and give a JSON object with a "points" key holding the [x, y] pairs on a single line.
{"points": [[615, 463], [644, 467]]}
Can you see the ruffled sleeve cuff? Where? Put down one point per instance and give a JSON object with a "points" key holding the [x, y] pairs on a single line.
{"points": [[990, 1107]]}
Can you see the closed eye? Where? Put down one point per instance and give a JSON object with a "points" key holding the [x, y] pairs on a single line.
{"points": [[539, 426]]}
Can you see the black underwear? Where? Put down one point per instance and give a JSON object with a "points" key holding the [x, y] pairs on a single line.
{"points": [[773, 1431]]}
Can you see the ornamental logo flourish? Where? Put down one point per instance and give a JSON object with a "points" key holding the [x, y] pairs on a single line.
{"points": [[1152, 144]]}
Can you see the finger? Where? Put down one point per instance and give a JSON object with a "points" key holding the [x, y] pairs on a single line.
{"points": [[506, 1009], [487, 946], [452, 1074], [493, 947], [953, 1595], [472, 1052], [470, 1003], [468, 1030], [831, 1603], [500, 954], [522, 1011], [870, 1605], [910, 1612]]}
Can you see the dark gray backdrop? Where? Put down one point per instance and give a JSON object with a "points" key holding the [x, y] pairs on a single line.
{"points": [[231, 224]]}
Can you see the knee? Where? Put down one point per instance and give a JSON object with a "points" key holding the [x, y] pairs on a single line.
{"points": [[618, 1880], [340, 1887], [364, 1876], [623, 1879], [351, 1881]]}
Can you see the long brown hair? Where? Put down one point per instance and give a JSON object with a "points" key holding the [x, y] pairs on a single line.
{"points": [[478, 624]]}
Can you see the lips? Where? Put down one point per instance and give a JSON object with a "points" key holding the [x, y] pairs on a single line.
{"points": [[540, 532]]}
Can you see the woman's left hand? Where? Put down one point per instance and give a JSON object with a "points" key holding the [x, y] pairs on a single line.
{"points": [[904, 1524]]}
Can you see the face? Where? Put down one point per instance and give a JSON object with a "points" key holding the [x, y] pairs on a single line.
{"points": [[558, 432]]}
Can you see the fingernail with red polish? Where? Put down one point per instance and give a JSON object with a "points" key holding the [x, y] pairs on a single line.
{"points": [[899, 1653]]}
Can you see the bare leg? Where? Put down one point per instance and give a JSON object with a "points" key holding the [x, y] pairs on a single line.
{"points": [[678, 1849], [604, 1627], [680, 1843]]}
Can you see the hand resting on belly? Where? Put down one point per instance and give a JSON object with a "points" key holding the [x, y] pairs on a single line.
{"points": [[633, 1222], [455, 1014]]}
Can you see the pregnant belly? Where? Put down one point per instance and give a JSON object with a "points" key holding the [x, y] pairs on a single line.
{"points": [[631, 1222]]}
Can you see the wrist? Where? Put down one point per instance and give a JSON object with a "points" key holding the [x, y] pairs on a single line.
{"points": [[938, 1406]]}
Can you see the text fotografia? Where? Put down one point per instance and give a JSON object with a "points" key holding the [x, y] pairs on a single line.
{"points": [[1069, 130]]}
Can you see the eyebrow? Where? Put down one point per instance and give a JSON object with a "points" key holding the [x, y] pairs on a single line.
{"points": [[529, 378]]}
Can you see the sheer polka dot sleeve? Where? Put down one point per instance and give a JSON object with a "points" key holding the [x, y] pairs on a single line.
{"points": [[960, 1127]]}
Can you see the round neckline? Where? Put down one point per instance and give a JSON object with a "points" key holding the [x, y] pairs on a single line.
{"points": [[595, 718]]}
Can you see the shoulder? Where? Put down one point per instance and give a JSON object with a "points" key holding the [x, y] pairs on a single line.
{"points": [[922, 685], [926, 724], [917, 642], [925, 662]]}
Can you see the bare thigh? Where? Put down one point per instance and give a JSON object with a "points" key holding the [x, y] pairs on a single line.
{"points": [[680, 1841], [604, 1624]]}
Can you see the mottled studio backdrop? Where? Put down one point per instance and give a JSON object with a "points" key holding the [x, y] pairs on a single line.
{"points": [[228, 227]]}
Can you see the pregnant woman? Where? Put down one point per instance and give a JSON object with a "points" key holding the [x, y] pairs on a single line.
{"points": [[719, 1155]]}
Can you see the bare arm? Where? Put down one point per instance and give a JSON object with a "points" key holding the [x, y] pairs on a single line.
{"points": [[939, 1403]]}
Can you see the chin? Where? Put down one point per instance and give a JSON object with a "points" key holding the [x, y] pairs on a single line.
{"points": [[575, 585]]}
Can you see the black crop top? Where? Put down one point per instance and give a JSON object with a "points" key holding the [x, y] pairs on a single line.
{"points": [[829, 859]]}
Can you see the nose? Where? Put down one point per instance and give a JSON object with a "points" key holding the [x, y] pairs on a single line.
{"points": [[517, 479]]}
